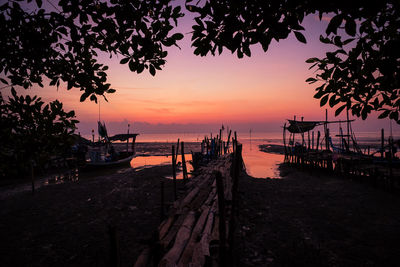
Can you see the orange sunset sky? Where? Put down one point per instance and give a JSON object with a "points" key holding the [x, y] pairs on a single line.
{"points": [[251, 92]]}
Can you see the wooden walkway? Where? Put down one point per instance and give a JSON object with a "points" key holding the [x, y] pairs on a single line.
{"points": [[199, 228]]}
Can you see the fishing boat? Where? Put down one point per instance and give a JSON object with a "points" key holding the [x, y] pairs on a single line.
{"points": [[107, 152]]}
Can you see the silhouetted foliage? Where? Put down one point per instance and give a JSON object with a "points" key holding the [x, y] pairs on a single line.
{"points": [[364, 71], [62, 41], [63, 44], [32, 131]]}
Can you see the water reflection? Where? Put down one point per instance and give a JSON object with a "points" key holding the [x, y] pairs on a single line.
{"points": [[260, 164], [141, 162]]}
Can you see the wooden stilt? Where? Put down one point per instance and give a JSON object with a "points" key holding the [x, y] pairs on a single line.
{"points": [[184, 169], [174, 171], [222, 219]]}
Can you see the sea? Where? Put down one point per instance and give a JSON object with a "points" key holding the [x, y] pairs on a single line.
{"points": [[258, 164]]}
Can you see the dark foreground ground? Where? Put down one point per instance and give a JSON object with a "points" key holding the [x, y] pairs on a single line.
{"points": [[316, 220], [300, 220], [67, 224]]}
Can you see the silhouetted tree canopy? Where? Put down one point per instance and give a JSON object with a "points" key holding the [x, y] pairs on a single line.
{"points": [[32, 131], [62, 41], [362, 74]]}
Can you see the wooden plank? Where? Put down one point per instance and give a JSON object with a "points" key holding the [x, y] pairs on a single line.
{"points": [[197, 231], [182, 237]]}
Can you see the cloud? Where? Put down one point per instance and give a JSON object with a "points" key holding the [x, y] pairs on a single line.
{"points": [[163, 110]]}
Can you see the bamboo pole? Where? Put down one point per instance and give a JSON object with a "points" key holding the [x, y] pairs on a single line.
{"points": [[184, 169], [222, 219], [196, 233], [115, 259], [312, 147], [162, 201], [143, 258], [32, 177], [227, 142], [284, 141], [174, 171], [182, 237], [202, 250], [382, 143], [237, 164]]}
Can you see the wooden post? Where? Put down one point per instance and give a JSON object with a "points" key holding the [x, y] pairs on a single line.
{"points": [[174, 171], [309, 142], [127, 140], [227, 142], [312, 147], [348, 130], [162, 201], [177, 151], [222, 219], [318, 136], [327, 138], [382, 143], [237, 167], [115, 260], [32, 177], [235, 141], [326, 129], [284, 141], [184, 169]]}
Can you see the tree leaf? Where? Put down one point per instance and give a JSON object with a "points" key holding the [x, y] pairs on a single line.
{"points": [[334, 24], [177, 36], [339, 110], [350, 27], [311, 80], [39, 3], [124, 60], [324, 40], [324, 100], [332, 101], [312, 60], [132, 65], [384, 114], [152, 70], [140, 68], [300, 37]]}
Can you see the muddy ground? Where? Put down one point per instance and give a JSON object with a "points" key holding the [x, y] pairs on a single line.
{"points": [[300, 220], [67, 224], [316, 220]]}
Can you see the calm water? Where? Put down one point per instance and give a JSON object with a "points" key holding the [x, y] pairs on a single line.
{"points": [[142, 162], [258, 164]]}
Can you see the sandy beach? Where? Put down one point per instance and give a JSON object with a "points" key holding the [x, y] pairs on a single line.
{"points": [[302, 219]]}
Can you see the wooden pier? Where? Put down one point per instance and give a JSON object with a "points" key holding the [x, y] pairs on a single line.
{"points": [[346, 159], [199, 228]]}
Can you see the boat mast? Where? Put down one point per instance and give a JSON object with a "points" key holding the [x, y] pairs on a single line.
{"points": [[127, 140]]}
